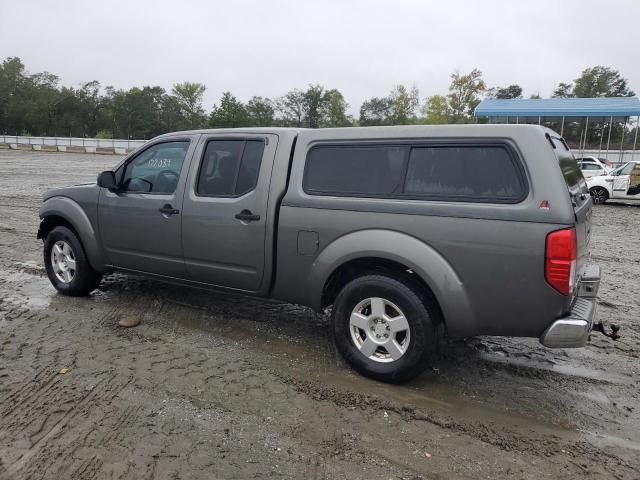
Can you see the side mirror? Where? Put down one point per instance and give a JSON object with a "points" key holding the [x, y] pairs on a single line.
{"points": [[107, 179]]}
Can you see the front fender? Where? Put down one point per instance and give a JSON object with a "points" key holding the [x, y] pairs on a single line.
{"points": [[73, 213], [601, 182], [426, 262]]}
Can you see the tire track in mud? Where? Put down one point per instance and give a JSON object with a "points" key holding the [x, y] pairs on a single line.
{"points": [[85, 411], [540, 444], [87, 470]]}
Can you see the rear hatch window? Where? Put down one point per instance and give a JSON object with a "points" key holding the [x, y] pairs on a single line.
{"points": [[578, 194], [569, 166]]}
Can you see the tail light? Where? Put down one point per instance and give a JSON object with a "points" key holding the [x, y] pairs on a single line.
{"points": [[560, 260]]}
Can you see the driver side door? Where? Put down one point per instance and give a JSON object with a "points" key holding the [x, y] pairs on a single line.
{"points": [[140, 222]]}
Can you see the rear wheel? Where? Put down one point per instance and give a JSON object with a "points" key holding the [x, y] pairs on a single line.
{"points": [[384, 329], [66, 263], [599, 194]]}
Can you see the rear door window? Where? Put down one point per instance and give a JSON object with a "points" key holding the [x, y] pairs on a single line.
{"points": [[470, 173], [229, 168]]}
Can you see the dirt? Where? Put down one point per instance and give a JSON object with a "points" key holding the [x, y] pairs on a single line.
{"points": [[210, 385]]}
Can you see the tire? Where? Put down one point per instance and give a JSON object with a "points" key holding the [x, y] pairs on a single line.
{"points": [[599, 195], [412, 348], [68, 269]]}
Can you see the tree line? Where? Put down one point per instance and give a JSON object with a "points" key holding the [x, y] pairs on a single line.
{"points": [[37, 104]]}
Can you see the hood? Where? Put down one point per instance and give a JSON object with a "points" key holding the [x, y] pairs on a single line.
{"points": [[82, 192]]}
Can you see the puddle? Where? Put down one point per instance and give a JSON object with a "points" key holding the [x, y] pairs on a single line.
{"points": [[605, 440], [301, 359], [562, 369], [32, 291]]}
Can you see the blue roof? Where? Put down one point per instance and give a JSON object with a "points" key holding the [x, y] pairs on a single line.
{"points": [[560, 107]]}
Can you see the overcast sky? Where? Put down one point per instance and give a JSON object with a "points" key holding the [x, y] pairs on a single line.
{"points": [[363, 48]]}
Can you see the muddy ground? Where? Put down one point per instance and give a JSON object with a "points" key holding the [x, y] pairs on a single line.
{"points": [[218, 386]]}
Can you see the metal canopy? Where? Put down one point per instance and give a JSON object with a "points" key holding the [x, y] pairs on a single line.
{"points": [[560, 107]]}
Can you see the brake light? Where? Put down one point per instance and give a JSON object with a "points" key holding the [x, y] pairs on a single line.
{"points": [[560, 260]]}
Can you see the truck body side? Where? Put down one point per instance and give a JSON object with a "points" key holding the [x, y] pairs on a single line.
{"points": [[484, 263]]}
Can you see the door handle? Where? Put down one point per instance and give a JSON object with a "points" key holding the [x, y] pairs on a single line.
{"points": [[167, 209], [247, 216]]}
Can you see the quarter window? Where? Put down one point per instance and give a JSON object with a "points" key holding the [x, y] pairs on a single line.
{"points": [[482, 173], [353, 170], [229, 168], [155, 170]]}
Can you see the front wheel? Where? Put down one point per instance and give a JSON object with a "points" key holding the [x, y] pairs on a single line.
{"points": [[66, 263], [599, 194], [384, 329]]}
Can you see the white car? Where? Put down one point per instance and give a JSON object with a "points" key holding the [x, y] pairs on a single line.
{"points": [[622, 183], [593, 166]]}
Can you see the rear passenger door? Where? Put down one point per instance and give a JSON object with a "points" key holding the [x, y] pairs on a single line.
{"points": [[225, 210]]}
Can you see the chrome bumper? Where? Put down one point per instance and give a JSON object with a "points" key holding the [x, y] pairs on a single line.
{"points": [[573, 330]]}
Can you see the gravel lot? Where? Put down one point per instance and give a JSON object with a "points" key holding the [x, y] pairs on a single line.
{"points": [[218, 386]]}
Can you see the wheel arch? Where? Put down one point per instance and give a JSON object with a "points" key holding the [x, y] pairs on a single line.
{"points": [[417, 263], [63, 211]]}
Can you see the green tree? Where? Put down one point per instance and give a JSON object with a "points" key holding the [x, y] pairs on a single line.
{"points": [[436, 110], [314, 104], [292, 108], [464, 95], [12, 78], [260, 112], [601, 82], [404, 103], [39, 97], [230, 113], [595, 82], [189, 96], [512, 91], [563, 90], [336, 110], [376, 111]]}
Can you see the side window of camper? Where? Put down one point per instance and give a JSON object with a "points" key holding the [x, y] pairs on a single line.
{"points": [[476, 172]]}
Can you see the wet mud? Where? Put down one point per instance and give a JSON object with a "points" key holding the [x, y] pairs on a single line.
{"points": [[211, 385]]}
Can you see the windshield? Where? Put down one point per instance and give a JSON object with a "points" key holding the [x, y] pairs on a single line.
{"points": [[624, 169]]}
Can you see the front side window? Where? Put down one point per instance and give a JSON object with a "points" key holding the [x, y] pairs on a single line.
{"points": [[229, 168], [355, 170], [156, 170], [484, 173]]}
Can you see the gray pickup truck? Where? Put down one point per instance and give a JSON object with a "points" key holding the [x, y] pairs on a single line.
{"points": [[408, 233]]}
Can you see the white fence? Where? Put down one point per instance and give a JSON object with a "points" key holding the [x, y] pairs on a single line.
{"points": [[120, 146], [63, 144]]}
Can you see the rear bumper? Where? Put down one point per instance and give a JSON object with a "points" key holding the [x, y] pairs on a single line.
{"points": [[573, 330]]}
